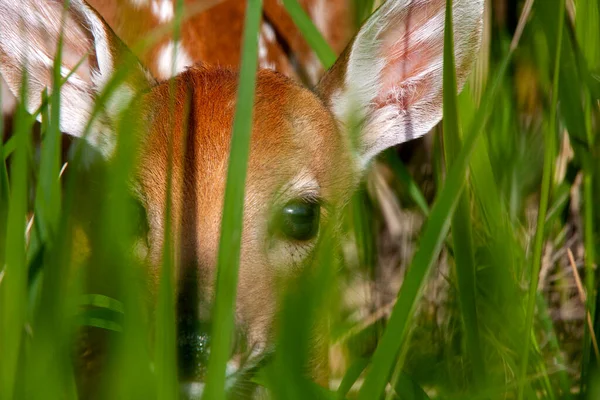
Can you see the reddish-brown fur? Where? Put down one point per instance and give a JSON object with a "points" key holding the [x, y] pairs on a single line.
{"points": [[291, 128], [212, 30]]}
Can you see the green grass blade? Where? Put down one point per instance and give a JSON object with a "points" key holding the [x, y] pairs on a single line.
{"points": [[432, 240], [407, 181], [48, 193], [306, 307], [165, 325], [362, 10], [588, 34], [4, 189], [231, 226], [310, 32], [462, 236], [13, 284], [362, 226], [407, 389], [587, 28], [569, 95], [564, 380], [549, 152], [351, 376]]}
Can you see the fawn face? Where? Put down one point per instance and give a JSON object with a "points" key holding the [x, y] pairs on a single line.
{"points": [[285, 209], [386, 87]]}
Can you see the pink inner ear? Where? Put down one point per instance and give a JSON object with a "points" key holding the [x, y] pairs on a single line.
{"points": [[411, 47]]}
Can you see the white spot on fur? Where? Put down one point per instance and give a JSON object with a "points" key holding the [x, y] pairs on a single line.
{"points": [[268, 32], [314, 69], [192, 390], [319, 13], [263, 53], [268, 65], [139, 3], [262, 48], [319, 16], [267, 36], [163, 10], [172, 59]]}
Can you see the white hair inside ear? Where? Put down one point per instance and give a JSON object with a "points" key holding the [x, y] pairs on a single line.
{"points": [[390, 88], [28, 40]]}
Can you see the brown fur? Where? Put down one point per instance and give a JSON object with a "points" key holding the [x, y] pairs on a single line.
{"points": [[292, 129], [212, 34]]}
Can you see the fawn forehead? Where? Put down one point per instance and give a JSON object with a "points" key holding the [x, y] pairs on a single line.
{"points": [[293, 132]]}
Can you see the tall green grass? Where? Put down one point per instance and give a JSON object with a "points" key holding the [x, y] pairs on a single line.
{"points": [[496, 335], [233, 208]]}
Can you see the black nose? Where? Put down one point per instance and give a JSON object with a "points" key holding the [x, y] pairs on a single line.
{"points": [[193, 344]]}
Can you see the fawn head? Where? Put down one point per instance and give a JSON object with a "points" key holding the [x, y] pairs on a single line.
{"points": [[385, 89]]}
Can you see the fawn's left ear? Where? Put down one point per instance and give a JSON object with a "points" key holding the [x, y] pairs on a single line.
{"points": [[388, 82], [91, 54]]}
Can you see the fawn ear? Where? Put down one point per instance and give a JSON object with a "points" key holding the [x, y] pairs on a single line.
{"points": [[388, 82], [28, 43]]}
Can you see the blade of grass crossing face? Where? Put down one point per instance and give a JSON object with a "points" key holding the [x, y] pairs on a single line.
{"points": [[304, 313], [136, 379], [462, 236], [310, 33], [165, 324], [13, 285], [549, 151], [432, 240], [231, 225]]}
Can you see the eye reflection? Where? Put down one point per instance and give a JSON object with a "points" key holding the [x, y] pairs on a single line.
{"points": [[299, 219]]}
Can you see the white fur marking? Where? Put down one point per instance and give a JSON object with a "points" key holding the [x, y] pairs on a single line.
{"points": [[263, 53], [167, 65], [319, 15], [314, 69], [304, 184], [193, 390], [163, 10], [268, 32], [139, 3]]}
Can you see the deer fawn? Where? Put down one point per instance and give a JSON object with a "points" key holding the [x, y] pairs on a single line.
{"points": [[386, 85]]}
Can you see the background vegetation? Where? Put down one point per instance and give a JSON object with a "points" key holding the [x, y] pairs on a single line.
{"points": [[460, 255]]}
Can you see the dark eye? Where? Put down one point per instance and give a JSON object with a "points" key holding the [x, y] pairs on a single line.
{"points": [[299, 219]]}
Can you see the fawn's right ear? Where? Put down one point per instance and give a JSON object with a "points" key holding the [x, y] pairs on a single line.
{"points": [[28, 41], [387, 86]]}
